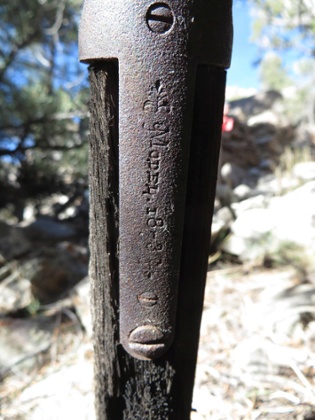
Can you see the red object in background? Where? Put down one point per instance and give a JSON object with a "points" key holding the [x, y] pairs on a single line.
{"points": [[228, 122]]}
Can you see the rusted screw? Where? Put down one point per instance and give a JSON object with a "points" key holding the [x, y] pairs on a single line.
{"points": [[148, 299], [147, 342], [160, 18]]}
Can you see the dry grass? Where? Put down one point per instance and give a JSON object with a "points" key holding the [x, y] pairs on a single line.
{"points": [[256, 358]]}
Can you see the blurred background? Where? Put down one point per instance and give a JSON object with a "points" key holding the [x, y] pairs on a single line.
{"points": [[258, 334]]}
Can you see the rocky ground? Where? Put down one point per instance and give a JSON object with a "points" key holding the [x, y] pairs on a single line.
{"points": [[257, 347]]}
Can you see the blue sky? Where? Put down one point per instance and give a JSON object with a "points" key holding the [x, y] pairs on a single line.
{"points": [[242, 72]]}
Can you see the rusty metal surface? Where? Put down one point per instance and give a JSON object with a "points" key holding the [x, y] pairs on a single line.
{"points": [[158, 46]]}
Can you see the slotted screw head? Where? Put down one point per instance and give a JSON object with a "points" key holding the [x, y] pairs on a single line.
{"points": [[147, 342], [160, 18]]}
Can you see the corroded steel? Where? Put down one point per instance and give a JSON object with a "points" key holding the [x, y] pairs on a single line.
{"points": [[158, 46]]}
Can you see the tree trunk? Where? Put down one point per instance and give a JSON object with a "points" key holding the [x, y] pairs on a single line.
{"points": [[127, 388]]}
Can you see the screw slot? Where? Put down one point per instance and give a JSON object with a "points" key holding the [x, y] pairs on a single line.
{"points": [[160, 18], [148, 299]]}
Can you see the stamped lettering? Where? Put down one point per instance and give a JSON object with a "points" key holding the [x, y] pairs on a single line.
{"points": [[157, 99], [157, 136], [153, 173], [154, 220]]}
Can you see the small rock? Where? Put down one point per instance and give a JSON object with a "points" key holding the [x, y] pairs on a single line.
{"points": [[221, 222], [22, 341], [269, 117], [235, 245], [267, 165], [305, 171], [252, 224], [224, 194], [258, 355], [242, 191], [232, 174], [225, 215], [47, 229], [13, 243], [15, 293], [56, 270], [271, 185], [280, 222], [65, 393], [294, 215], [252, 356], [258, 201], [254, 105]]}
